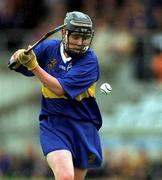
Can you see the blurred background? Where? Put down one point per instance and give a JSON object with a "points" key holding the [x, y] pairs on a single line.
{"points": [[128, 43]]}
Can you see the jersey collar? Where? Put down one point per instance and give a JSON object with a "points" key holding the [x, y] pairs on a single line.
{"points": [[64, 58]]}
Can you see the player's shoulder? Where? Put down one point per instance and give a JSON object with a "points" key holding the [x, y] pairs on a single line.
{"points": [[88, 59], [47, 47], [90, 55], [51, 43]]}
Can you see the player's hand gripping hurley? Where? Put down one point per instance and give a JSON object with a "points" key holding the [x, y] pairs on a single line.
{"points": [[12, 64]]}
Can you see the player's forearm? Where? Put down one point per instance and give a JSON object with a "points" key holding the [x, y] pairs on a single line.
{"points": [[49, 81]]}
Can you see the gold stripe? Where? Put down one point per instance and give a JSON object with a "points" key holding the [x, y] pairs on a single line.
{"points": [[49, 94], [89, 93]]}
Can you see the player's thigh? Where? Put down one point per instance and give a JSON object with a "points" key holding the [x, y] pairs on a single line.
{"points": [[60, 161], [79, 174]]}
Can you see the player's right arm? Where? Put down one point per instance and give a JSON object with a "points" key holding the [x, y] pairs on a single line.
{"points": [[29, 61], [49, 81]]}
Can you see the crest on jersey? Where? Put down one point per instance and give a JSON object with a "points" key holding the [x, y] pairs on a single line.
{"points": [[91, 158], [52, 63]]}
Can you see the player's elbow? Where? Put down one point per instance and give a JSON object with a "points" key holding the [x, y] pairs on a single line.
{"points": [[59, 92]]}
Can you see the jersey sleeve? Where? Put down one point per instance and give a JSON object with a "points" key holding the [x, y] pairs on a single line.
{"points": [[80, 78], [23, 70], [40, 52], [44, 50]]}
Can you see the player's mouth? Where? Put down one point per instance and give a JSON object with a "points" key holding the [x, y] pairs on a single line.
{"points": [[76, 50]]}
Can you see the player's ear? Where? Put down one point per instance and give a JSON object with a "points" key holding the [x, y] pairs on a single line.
{"points": [[63, 31]]}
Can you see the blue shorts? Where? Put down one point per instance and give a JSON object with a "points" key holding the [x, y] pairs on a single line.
{"points": [[80, 138]]}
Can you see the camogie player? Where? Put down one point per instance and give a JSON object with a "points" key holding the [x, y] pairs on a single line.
{"points": [[69, 118]]}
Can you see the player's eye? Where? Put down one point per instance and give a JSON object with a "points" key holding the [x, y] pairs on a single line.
{"points": [[76, 37], [86, 37]]}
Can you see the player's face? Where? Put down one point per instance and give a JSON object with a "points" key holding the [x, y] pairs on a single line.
{"points": [[78, 42]]}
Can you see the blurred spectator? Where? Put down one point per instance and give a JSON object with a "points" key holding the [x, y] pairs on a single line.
{"points": [[16, 16], [137, 19], [157, 65], [5, 163], [142, 166], [8, 13], [138, 60], [28, 162], [118, 164], [31, 13], [156, 171], [157, 15], [73, 5], [21, 14]]}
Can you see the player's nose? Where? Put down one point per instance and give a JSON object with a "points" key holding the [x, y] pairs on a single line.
{"points": [[80, 41]]}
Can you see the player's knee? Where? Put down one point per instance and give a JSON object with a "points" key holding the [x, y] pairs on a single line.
{"points": [[66, 176]]}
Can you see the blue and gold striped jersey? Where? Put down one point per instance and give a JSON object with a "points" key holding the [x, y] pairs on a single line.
{"points": [[78, 78]]}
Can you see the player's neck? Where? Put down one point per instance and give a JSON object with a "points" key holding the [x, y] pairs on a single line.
{"points": [[66, 55]]}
